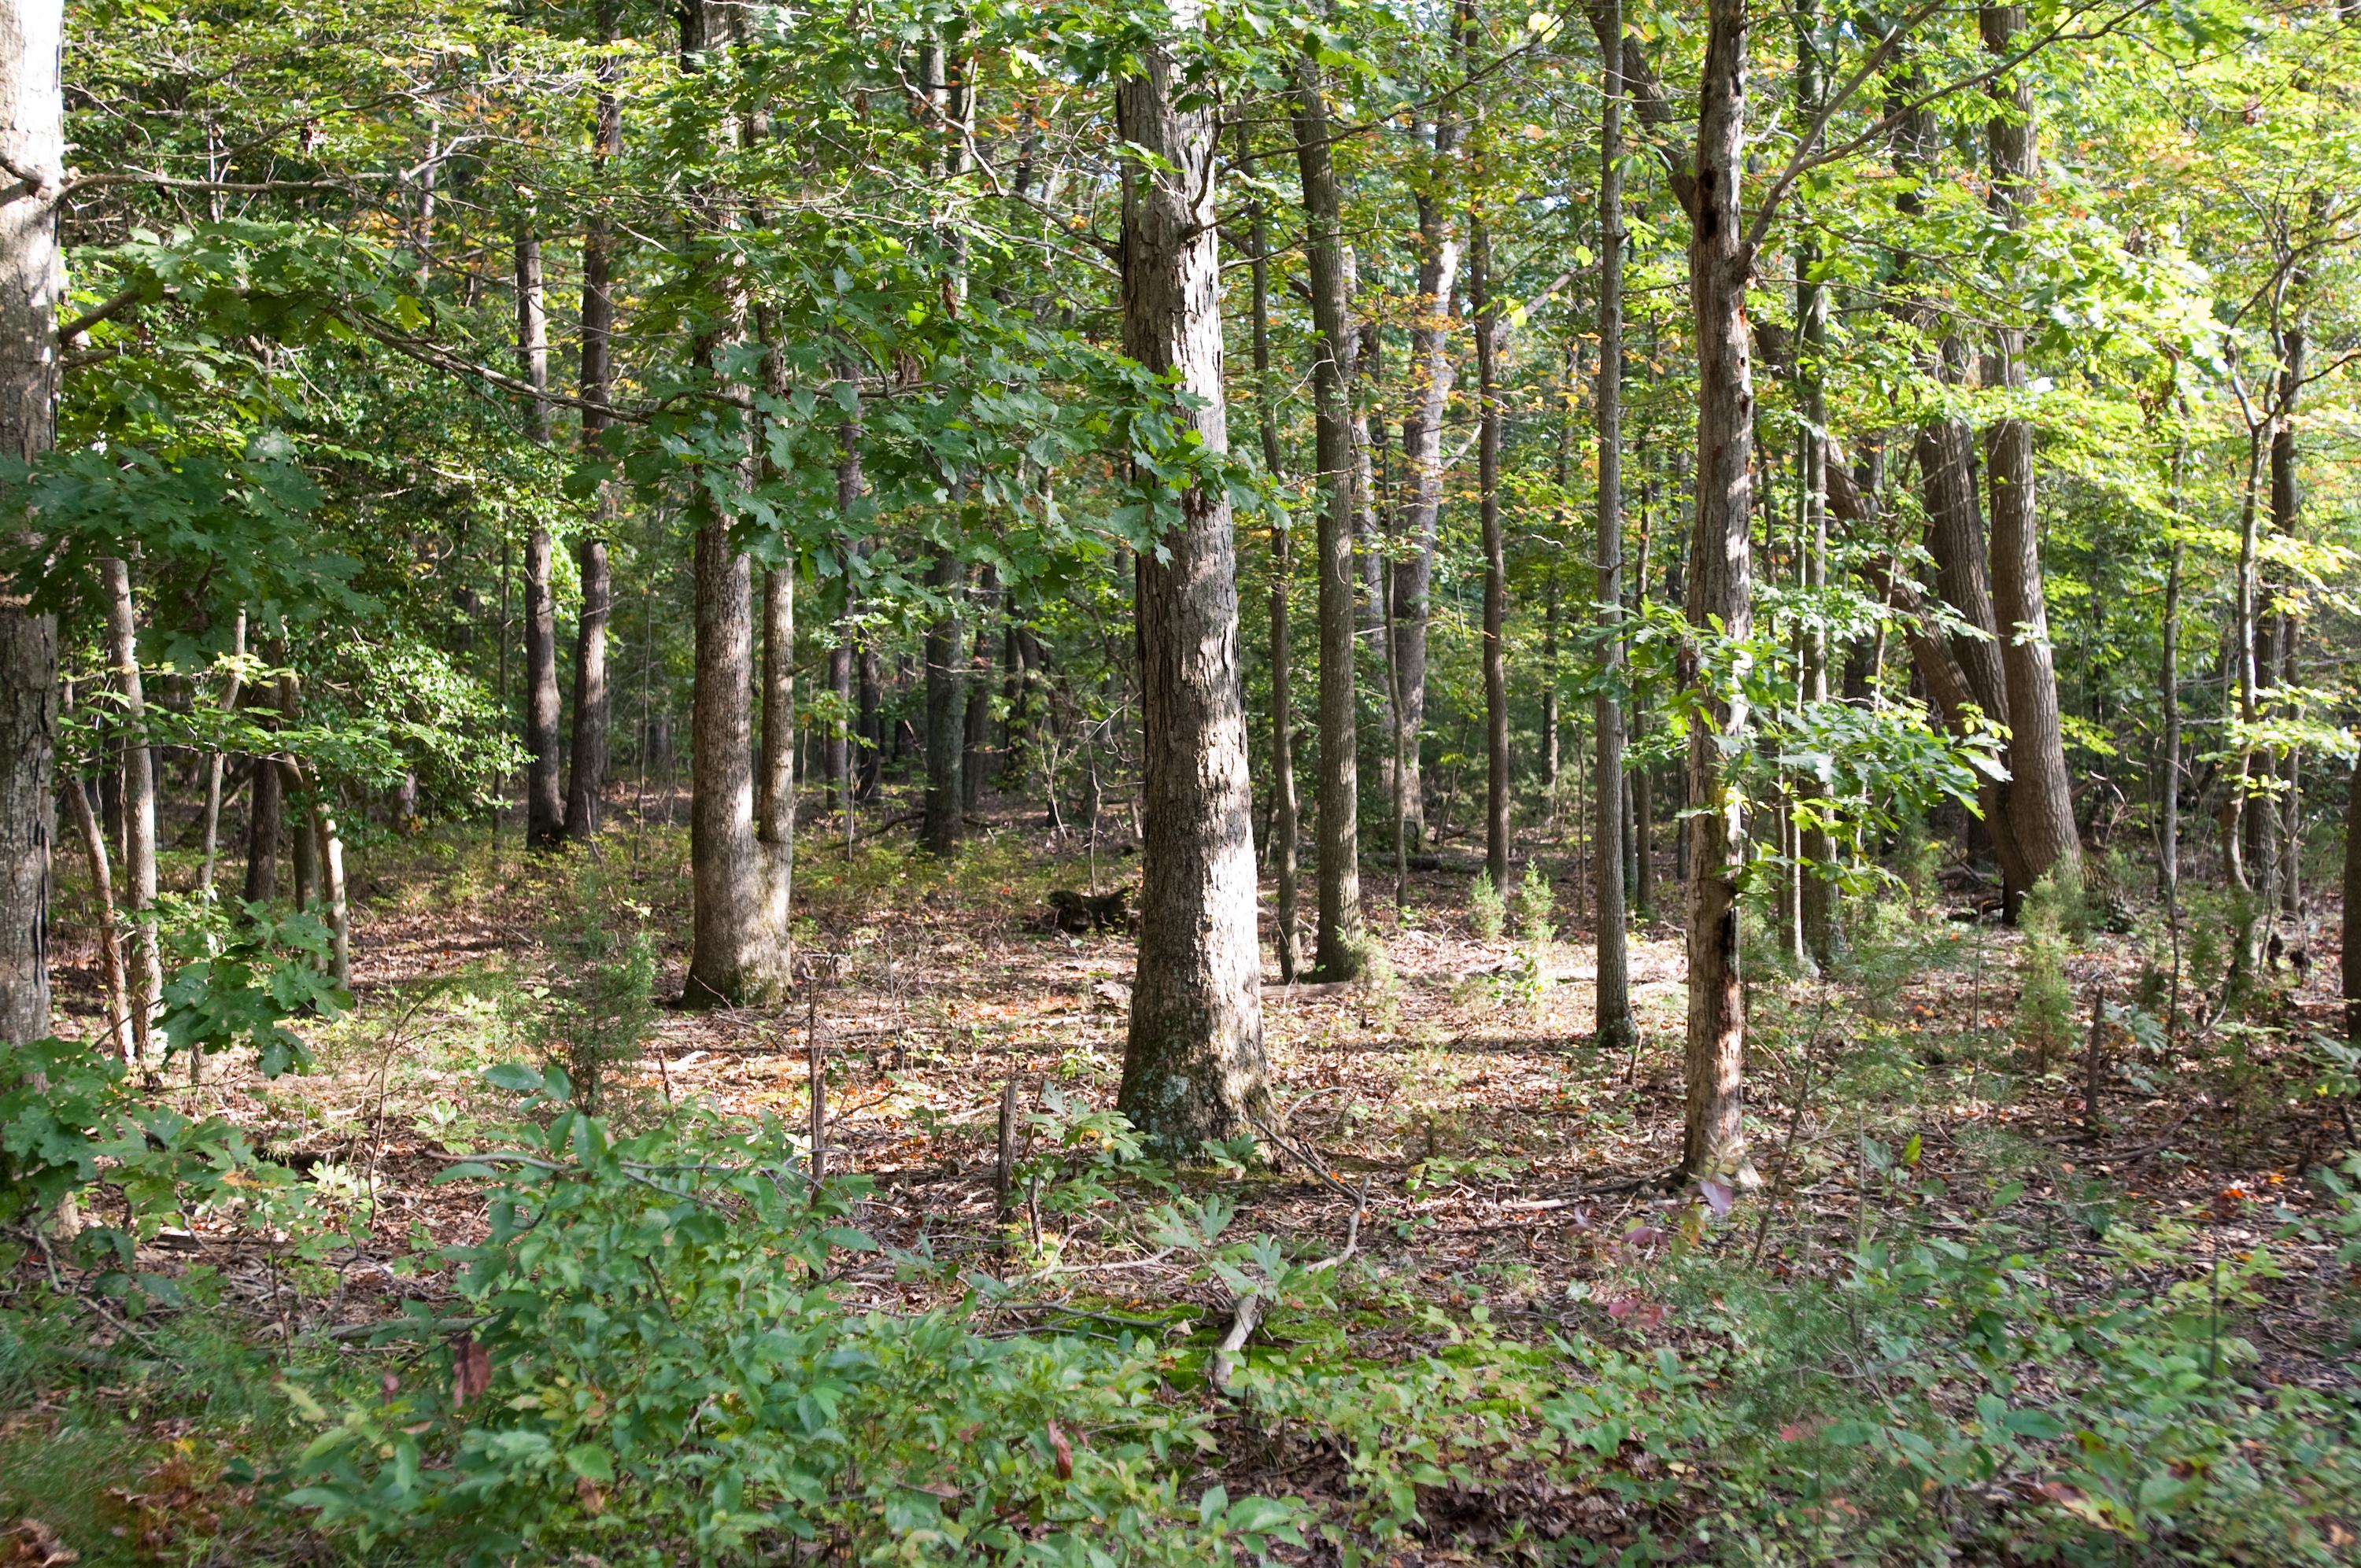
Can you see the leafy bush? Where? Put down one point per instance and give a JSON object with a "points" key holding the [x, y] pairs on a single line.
{"points": [[645, 1361], [242, 977], [1536, 909]]}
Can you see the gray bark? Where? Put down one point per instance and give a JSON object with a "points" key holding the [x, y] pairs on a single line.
{"points": [[138, 806], [1617, 1029], [586, 772], [1193, 1062], [1338, 949], [544, 791], [1497, 831], [1719, 572], [32, 282], [1285, 817]]}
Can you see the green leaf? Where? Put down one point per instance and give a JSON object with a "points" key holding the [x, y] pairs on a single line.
{"points": [[592, 1462], [514, 1076], [2034, 1423]]}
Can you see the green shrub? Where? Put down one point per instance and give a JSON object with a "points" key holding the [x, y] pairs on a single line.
{"points": [[2045, 1008], [1487, 912], [1536, 903], [594, 1015]]}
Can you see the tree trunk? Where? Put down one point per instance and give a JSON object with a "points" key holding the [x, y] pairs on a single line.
{"points": [[216, 763], [1418, 520], [32, 282], [2352, 930], [1815, 871], [976, 726], [2275, 846], [1719, 589], [114, 984], [776, 831], [2040, 795], [586, 772], [264, 807], [545, 792], [1496, 832], [2167, 832], [1339, 948], [739, 921], [1285, 820], [1193, 1064], [1618, 1030], [138, 806], [946, 647]]}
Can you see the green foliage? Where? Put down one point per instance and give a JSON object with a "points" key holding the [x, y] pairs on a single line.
{"points": [[1536, 907], [71, 1129], [646, 1363], [242, 977], [593, 1015], [1487, 912], [2044, 1007]]}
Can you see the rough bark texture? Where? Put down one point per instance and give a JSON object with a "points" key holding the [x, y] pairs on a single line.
{"points": [[1286, 824], [1617, 1028], [32, 281], [1720, 571], [1193, 1064], [1816, 889], [2040, 798], [586, 772], [1489, 418], [739, 924], [1338, 949]]}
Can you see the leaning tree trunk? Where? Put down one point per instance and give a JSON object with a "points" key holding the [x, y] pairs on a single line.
{"points": [[1339, 948], [138, 807], [1193, 1067], [1720, 571], [544, 796], [32, 282], [1285, 816], [1618, 1030], [585, 770], [2040, 796]]}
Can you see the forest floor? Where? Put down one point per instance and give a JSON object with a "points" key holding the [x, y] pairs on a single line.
{"points": [[1503, 1166]]}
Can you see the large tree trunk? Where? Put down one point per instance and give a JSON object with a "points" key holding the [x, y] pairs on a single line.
{"points": [[586, 772], [1720, 573], [138, 806], [545, 794], [1815, 890], [1618, 1030], [739, 921], [1285, 821], [2040, 796], [32, 282], [1339, 948], [1417, 523], [1193, 1067]]}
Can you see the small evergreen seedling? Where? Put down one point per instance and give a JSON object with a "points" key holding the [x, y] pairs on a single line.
{"points": [[1536, 907], [2045, 1008], [1487, 910]]}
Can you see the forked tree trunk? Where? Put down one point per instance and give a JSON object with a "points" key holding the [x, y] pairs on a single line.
{"points": [[1720, 571], [2040, 796], [1339, 952], [32, 282], [1285, 818], [1193, 1063], [1618, 1030], [544, 796], [138, 806]]}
